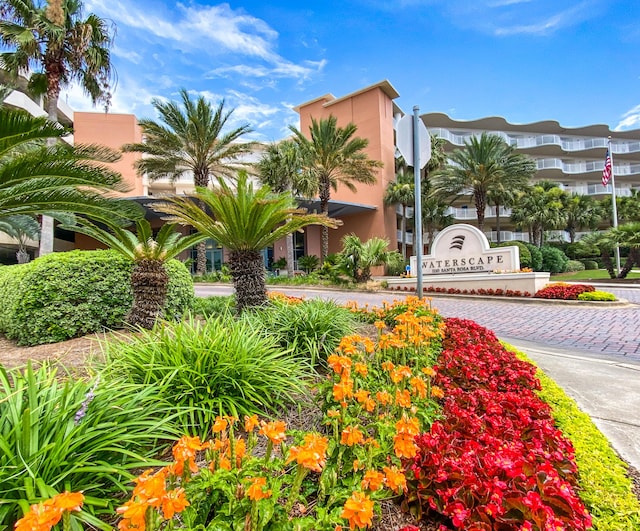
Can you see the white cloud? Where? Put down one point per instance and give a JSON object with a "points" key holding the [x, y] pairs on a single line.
{"points": [[129, 55], [630, 120], [281, 69]]}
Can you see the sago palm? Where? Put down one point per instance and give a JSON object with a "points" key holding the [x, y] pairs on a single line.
{"points": [[21, 228], [332, 156], [244, 219], [191, 138], [36, 179], [149, 278]]}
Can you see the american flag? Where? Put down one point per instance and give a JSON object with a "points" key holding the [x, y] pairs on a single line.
{"points": [[606, 173]]}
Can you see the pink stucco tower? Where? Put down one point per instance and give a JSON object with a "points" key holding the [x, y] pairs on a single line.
{"points": [[364, 213]]}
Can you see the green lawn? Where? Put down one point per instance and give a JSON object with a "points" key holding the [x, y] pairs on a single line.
{"points": [[594, 274]]}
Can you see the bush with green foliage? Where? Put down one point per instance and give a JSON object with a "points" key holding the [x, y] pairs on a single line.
{"points": [[573, 266], [536, 256], [525, 253], [308, 263], [64, 295], [60, 434], [204, 369], [311, 329], [596, 296], [590, 265], [215, 306], [606, 489], [396, 265], [553, 259]]}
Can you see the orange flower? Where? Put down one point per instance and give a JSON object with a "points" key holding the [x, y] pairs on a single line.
{"points": [[419, 386], [362, 369], [224, 463], [333, 413], [339, 364], [409, 426], [219, 425], [362, 396], [184, 451], [250, 423], [403, 445], [388, 366], [351, 436], [400, 373], [133, 516], [241, 451], [379, 325], [343, 389], [429, 371], [384, 397], [150, 487], [174, 502], [256, 490], [43, 516], [312, 454], [357, 465], [373, 480], [395, 479], [358, 509], [274, 431], [403, 398], [436, 392]]}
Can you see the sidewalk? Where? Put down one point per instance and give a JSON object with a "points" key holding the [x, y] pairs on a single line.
{"points": [[608, 391]]}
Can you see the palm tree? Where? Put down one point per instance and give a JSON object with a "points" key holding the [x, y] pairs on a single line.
{"points": [[334, 156], [358, 257], [149, 278], [628, 235], [54, 39], [434, 218], [280, 168], [190, 139], [581, 211], [599, 243], [21, 228], [401, 192], [245, 220], [540, 209], [487, 162], [36, 179]]}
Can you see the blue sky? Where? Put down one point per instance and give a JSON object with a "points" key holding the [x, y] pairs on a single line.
{"points": [[574, 61]]}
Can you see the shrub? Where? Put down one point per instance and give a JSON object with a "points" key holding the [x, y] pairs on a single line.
{"points": [[525, 253], [216, 306], [553, 259], [536, 256], [562, 291], [57, 434], [573, 266], [590, 265], [219, 367], [311, 329], [596, 296], [396, 265], [64, 295], [308, 263]]}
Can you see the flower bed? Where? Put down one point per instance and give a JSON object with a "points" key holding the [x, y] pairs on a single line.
{"points": [[496, 460], [562, 291]]}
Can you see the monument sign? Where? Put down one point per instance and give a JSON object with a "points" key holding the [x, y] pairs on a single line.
{"points": [[464, 248]]}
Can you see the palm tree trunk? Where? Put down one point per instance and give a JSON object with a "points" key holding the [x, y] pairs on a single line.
{"points": [[149, 283], [498, 221], [201, 178], [325, 194], [247, 270], [480, 204], [628, 265], [607, 263], [290, 254], [403, 226]]}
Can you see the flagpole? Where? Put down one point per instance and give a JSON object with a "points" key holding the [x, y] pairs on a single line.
{"points": [[614, 205]]}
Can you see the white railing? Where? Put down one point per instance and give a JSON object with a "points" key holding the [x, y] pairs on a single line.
{"points": [[524, 141], [408, 237]]}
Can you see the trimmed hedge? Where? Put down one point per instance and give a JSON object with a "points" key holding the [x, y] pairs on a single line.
{"points": [[65, 295], [553, 259], [573, 266], [525, 253], [536, 256]]}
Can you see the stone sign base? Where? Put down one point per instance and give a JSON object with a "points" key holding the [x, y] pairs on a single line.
{"points": [[530, 282]]}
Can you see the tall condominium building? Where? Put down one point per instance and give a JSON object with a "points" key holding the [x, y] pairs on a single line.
{"points": [[571, 156]]}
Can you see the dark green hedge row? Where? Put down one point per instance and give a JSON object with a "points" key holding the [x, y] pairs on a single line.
{"points": [[65, 295]]}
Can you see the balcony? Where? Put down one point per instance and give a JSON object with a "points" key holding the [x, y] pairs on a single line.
{"points": [[470, 213], [408, 237], [573, 168]]}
